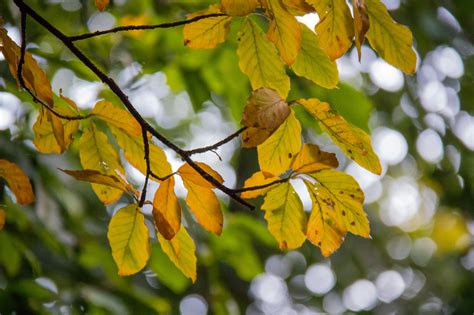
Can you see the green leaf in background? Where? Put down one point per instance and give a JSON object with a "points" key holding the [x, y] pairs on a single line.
{"points": [[167, 273]]}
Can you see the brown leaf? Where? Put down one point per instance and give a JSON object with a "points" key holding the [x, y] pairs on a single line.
{"points": [[361, 23]]}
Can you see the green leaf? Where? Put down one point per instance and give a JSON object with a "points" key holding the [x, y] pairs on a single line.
{"points": [[313, 63]]}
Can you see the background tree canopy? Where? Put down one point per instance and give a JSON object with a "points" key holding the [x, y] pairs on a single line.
{"points": [[55, 254]]}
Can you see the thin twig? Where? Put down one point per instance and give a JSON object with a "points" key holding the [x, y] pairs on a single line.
{"points": [[124, 98], [143, 27], [162, 178], [146, 149], [279, 181], [218, 144]]}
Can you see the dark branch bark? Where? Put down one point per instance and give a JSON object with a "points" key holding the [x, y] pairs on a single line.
{"points": [[216, 145], [24, 8], [143, 27], [278, 181], [146, 149]]}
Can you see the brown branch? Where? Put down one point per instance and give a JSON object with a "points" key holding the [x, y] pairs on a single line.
{"points": [[162, 178], [124, 98], [218, 144], [146, 149], [21, 79], [143, 27], [279, 181]]}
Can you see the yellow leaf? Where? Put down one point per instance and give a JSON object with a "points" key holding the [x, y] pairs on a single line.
{"points": [[313, 63], [48, 130], [259, 60], [340, 192], [392, 41], [166, 210], [297, 7], [201, 200], [208, 32], [18, 182], [97, 177], [191, 175], [354, 142], [285, 216], [324, 225], [264, 112], [34, 77], [2, 218], [58, 130], [181, 251], [239, 7], [335, 28], [284, 31], [312, 159], [134, 152], [277, 152], [101, 4], [96, 153], [129, 240], [58, 124], [258, 179], [361, 23], [118, 118]]}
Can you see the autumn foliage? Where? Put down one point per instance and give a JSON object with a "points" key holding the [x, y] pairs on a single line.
{"points": [[271, 43]]}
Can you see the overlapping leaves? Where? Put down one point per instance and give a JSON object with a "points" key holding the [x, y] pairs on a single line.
{"points": [[264, 50]]}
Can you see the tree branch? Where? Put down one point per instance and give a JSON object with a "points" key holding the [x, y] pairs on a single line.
{"points": [[279, 181], [143, 27], [146, 149], [21, 80], [124, 98], [218, 144]]}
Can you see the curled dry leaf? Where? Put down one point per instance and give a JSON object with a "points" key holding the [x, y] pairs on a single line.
{"points": [[264, 112], [361, 23]]}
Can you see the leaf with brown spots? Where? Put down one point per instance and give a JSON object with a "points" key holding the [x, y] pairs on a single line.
{"points": [[311, 159], [353, 141], [276, 154], [335, 28], [208, 32], [341, 193], [285, 216]]}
